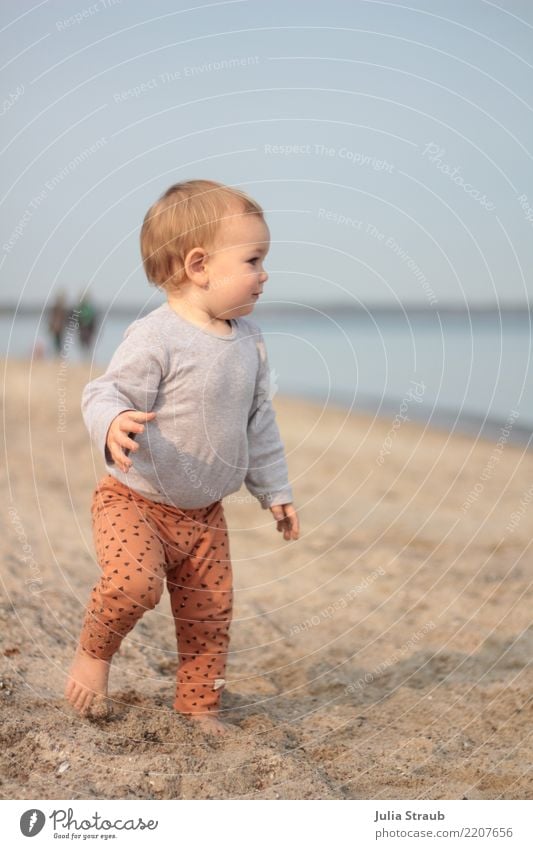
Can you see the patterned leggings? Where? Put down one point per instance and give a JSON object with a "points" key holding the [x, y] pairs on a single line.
{"points": [[140, 543]]}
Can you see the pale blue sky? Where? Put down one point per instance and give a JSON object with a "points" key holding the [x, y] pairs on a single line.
{"points": [[362, 87]]}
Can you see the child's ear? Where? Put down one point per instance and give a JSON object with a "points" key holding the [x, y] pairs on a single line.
{"points": [[196, 266]]}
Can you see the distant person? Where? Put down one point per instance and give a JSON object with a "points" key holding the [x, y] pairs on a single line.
{"points": [[57, 321], [187, 392], [39, 349], [87, 316]]}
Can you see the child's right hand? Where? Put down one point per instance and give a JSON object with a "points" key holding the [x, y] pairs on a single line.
{"points": [[130, 421]]}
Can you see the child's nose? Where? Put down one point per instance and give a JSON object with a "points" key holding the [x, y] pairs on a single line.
{"points": [[263, 277]]}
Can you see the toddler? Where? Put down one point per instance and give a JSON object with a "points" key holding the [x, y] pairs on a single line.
{"points": [[182, 417]]}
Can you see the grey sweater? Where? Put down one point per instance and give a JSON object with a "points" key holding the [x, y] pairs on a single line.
{"points": [[215, 426]]}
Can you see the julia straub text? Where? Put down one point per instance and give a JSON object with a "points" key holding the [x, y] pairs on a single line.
{"points": [[408, 815]]}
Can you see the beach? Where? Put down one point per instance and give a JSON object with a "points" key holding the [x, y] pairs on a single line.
{"points": [[386, 654]]}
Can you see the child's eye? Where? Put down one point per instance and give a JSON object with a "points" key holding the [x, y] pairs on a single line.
{"points": [[254, 259]]}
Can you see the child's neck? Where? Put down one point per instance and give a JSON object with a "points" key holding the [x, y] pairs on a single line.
{"points": [[218, 326]]}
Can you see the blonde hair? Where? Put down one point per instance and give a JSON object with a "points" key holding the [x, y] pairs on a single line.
{"points": [[186, 216]]}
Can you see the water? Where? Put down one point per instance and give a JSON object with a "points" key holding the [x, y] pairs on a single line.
{"points": [[447, 369]]}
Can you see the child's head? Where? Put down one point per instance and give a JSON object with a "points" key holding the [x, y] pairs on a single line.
{"points": [[210, 238]]}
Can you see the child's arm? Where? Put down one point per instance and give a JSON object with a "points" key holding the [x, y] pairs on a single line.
{"points": [[267, 477], [120, 397]]}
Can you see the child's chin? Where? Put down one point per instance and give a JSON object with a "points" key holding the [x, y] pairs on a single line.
{"points": [[244, 310]]}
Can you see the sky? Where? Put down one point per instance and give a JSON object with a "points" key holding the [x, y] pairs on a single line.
{"points": [[388, 143]]}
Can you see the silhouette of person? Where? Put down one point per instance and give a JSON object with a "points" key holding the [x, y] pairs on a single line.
{"points": [[87, 319], [57, 320]]}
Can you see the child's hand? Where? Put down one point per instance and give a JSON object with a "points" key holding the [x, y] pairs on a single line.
{"points": [[287, 519], [118, 435]]}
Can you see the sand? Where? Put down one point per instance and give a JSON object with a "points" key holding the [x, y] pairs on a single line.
{"points": [[384, 655]]}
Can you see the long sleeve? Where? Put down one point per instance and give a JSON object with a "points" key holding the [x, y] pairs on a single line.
{"points": [[130, 382], [267, 477]]}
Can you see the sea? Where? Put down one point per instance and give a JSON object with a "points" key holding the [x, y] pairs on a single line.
{"points": [[461, 370]]}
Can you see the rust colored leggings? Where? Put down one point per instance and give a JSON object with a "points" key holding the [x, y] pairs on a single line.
{"points": [[139, 544]]}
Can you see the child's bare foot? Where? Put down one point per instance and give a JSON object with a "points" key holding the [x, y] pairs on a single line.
{"points": [[210, 724], [86, 687]]}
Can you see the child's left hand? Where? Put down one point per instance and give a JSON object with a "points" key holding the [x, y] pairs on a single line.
{"points": [[287, 519]]}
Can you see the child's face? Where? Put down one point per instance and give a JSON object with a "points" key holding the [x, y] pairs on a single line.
{"points": [[235, 266]]}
